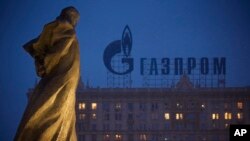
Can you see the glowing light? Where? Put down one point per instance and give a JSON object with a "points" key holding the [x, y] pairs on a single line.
{"points": [[94, 106], [82, 116], [82, 106], [106, 137], [215, 116], [118, 106], [167, 116], [94, 116], [228, 116], [203, 106], [239, 115], [240, 105], [143, 137], [118, 137], [179, 116]]}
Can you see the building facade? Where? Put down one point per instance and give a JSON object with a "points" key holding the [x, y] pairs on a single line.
{"points": [[182, 113]]}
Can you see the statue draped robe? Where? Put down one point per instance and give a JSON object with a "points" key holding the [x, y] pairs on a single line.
{"points": [[50, 113]]}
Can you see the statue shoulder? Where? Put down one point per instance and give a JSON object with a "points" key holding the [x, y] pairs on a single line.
{"points": [[50, 25]]}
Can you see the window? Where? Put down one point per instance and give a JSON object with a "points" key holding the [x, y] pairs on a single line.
{"points": [[93, 127], [130, 116], [166, 105], [118, 137], [82, 116], [81, 138], [93, 116], [154, 116], [226, 105], [106, 116], [143, 137], [228, 116], [130, 137], [142, 107], [240, 105], [130, 106], [167, 116], [167, 126], [226, 125], [118, 116], [142, 126], [118, 106], [81, 106], [155, 126], [130, 126], [215, 116], [105, 106], [154, 106], [81, 126], [118, 127], [239, 115], [94, 137], [179, 105], [203, 106], [178, 116], [106, 127], [166, 138], [106, 137], [93, 106]]}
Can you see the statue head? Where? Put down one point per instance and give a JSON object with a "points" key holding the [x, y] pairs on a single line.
{"points": [[69, 14]]}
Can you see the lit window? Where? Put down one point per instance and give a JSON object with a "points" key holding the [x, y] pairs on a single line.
{"points": [[166, 116], [118, 137], [226, 125], [106, 137], [239, 115], [203, 106], [82, 116], [179, 105], [215, 116], [178, 116], [118, 106], [240, 105], [143, 137], [81, 106], [228, 116], [93, 116], [94, 106]]}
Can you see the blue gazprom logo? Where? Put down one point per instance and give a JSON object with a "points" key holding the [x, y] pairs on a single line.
{"points": [[123, 47], [159, 66]]}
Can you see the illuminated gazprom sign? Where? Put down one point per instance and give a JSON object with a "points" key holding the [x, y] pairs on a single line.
{"points": [[158, 66], [178, 66]]}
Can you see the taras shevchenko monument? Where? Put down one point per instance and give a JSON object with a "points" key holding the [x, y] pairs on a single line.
{"points": [[50, 113]]}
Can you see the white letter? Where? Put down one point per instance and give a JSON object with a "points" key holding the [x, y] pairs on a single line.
{"points": [[243, 131], [237, 132]]}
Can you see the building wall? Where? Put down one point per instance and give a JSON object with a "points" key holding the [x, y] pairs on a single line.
{"points": [[160, 114]]}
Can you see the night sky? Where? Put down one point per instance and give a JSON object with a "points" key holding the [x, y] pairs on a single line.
{"points": [[160, 28]]}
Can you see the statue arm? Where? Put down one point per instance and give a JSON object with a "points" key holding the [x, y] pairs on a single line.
{"points": [[29, 46]]}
